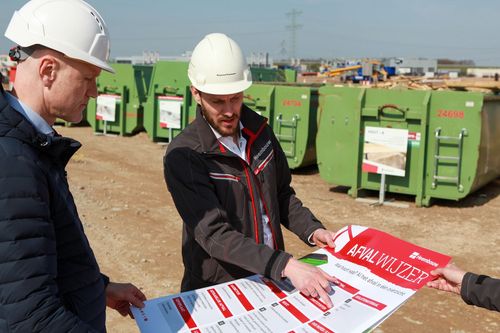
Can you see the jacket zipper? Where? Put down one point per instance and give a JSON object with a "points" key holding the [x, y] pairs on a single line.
{"points": [[251, 140], [268, 216], [256, 224]]}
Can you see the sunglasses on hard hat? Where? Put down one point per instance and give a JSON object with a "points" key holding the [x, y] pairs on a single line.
{"points": [[19, 53]]}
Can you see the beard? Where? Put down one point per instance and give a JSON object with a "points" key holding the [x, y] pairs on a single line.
{"points": [[217, 124]]}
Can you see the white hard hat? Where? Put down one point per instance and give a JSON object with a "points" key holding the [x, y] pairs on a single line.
{"points": [[218, 66], [72, 27]]}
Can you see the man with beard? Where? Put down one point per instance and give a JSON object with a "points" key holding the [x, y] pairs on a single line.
{"points": [[230, 182]]}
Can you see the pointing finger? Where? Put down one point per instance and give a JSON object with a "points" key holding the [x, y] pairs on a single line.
{"points": [[324, 296]]}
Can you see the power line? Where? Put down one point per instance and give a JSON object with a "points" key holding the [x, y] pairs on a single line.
{"points": [[293, 27]]}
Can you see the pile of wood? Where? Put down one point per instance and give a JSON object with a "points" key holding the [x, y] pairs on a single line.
{"points": [[419, 83], [479, 85], [484, 85]]}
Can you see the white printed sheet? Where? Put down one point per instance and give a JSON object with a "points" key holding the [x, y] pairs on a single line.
{"points": [[376, 274]]}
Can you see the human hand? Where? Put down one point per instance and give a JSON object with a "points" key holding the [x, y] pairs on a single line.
{"points": [[323, 238], [449, 279], [120, 296], [309, 280]]}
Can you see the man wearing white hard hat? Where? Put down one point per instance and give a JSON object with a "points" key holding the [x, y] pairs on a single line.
{"points": [[49, 278], [230, 182]]}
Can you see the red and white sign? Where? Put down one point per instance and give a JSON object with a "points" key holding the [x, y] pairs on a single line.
{"points": [[294, 311], [170, 111], [220, 303], [393, 259], [376, 273], [319, 328], [185, 314], [316, 302], [350, 289], [384, 151], [241, 297], [414, 136], [274, 288], [106, 107], [370, 302]]}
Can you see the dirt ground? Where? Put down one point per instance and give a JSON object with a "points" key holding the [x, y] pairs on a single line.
{"points": [[135, 231]]}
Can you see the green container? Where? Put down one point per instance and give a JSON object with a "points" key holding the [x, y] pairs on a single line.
{"points": [[192, 110], [453, 140], [127, 89], [264, 74], [166, 112], [260, 98], [295, 123], [290, 75]]}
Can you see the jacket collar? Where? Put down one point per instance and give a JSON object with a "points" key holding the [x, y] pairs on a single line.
{"points": [[251, 121], [14, 125]]}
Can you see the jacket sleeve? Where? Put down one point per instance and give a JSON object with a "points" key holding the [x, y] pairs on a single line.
{"points": [[29, 299], [196, 201], [481, 290], [294, 216]]}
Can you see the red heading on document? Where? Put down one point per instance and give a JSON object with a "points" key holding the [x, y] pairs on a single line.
{"points": [[220, 303], [399, 262], [184, 312]]}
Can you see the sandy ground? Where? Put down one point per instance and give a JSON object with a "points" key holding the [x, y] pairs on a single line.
{"points": [[135, 230]]}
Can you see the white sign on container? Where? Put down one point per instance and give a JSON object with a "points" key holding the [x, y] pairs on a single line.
{"points": [[106, 107], [384, 151], [170, 111]]}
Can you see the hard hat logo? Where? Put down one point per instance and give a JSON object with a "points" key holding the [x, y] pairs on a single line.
{"points": [[218, 66], [71, 27], [226, 74]]}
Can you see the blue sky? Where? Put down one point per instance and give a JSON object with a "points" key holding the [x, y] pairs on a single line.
{"points": [[456, 29]]}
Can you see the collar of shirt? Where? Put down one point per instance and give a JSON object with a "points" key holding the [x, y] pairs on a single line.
{"points": [[228, 142], [34, 118]]}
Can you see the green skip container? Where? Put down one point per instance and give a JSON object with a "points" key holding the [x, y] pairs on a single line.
{"points": [[453, 144], [118, 108], [295, 123], [260, 98], [166, 112]]}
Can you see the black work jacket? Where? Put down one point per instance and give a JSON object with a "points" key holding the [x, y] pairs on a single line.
{"points": [[217, 195], [481, 290], [49, 277]]}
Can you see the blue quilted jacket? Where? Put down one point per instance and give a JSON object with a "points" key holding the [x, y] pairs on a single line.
{"points": [[49, 278]]}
